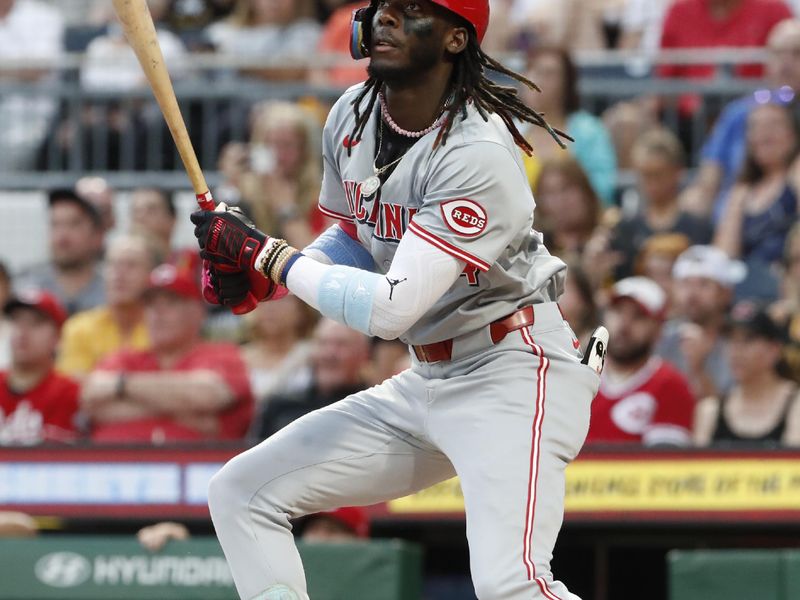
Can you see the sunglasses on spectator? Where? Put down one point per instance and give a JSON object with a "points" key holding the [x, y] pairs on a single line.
{"points": [[783, 95]]}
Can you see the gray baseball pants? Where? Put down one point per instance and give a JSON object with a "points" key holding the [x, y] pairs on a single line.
{"points": [[506, 418]]}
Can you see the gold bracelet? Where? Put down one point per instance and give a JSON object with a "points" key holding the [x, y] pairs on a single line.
{"points": [[283, 258], [273, 259]]}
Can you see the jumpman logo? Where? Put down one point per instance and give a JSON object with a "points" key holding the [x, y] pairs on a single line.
{"points": [[392, 283]]}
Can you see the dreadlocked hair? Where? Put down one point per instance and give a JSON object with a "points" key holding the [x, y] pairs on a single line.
{"points": [[469, 83]]}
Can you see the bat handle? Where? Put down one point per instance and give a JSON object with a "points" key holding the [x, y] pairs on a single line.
{"points": [[205, 201]]}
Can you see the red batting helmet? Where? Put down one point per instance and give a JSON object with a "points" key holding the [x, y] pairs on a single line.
{"points": [[475, 12]]}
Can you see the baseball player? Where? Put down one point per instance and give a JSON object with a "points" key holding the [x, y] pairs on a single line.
{"points": [[434, 246]]}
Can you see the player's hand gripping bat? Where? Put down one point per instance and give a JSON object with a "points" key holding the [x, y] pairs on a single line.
{"points": [[137, 23]]}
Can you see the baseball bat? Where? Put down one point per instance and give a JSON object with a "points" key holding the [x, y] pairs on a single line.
{"points": [[140, 31]]}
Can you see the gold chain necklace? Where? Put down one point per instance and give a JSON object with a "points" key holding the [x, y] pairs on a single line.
{"points": [[373, 183]]}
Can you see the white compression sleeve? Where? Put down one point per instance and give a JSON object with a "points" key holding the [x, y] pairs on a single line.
{"points": [[383, 306]]}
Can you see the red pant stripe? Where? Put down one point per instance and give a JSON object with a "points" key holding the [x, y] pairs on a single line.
{"points": [[533, 473]]}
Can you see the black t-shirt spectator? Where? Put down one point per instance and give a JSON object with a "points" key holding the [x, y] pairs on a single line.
{"points": [[630, 235], [279, 411]]}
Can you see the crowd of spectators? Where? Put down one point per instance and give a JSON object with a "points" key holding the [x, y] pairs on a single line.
{"points": [[693, 266], [106, 341], [308, 41]]}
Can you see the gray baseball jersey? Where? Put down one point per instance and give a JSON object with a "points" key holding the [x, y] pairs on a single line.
{"points": [[469, 198], [507, 416]]}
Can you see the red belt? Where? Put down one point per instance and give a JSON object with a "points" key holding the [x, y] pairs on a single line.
{"points": [[497, 331]]}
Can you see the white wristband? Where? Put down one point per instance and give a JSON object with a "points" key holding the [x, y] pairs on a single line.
{"points": [[260, 262]]}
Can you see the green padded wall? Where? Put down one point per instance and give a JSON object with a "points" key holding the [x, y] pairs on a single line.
{"points": [[100, 568], [734, 575]]}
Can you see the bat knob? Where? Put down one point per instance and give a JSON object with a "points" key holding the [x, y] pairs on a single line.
{"points": [[205, 201]]}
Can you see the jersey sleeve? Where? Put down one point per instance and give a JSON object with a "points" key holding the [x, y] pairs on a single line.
{"points": [[475, 202], [332, 198]]}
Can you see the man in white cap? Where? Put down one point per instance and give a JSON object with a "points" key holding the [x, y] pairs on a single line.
{"points": [[694, 340], [642, 398]]}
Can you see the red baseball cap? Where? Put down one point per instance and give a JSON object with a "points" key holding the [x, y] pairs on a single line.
{"points": [[353, 517], [40, 300], [169, 278]]}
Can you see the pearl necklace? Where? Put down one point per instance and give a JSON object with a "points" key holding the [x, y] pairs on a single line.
{"points": [[399, 130], [373, 183]]}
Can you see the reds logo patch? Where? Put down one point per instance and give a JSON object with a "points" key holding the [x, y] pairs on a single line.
{"points": [[464, 217], [634, 413]]}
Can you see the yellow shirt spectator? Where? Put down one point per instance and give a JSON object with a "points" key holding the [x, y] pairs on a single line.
{"points": [[91, 335]]}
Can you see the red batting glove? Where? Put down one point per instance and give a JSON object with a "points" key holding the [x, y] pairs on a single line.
{"points": [[228, 239], [236, 289]]}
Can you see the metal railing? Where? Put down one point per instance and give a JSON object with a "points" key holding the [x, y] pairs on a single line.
{"points": [[122, 135]]}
